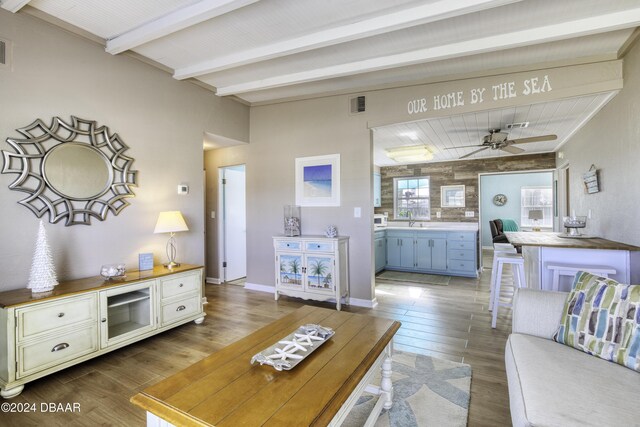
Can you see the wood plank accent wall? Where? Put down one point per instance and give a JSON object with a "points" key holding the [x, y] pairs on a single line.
{"points": [[455, 173]]}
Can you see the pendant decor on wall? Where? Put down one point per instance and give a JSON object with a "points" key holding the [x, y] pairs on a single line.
{"points": [[73, 171]]}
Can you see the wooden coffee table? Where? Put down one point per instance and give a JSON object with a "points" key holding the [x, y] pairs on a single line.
{"points": [[224, 389]]}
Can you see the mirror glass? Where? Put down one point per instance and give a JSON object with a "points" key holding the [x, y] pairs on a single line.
{"points": [[77, 171]]}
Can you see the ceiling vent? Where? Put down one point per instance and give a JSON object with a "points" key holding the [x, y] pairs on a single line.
{"points": [[5, 50], [357, 104], [520, 125]]}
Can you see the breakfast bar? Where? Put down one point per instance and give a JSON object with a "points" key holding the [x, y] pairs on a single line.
{"points": [[545, 253]]}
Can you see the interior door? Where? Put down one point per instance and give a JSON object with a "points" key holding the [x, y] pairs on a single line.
{"points": [[235, 223]]}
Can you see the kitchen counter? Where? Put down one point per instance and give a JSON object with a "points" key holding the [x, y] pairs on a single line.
{"points": [[554, 240], [438, 226], [543, 252]]}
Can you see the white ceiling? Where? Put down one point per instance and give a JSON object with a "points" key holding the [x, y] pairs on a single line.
{"points": [[443, 135], [265, 51], [269, 50]]}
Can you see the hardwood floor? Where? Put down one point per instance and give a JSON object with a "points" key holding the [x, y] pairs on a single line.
{"points": [[450, 322]]}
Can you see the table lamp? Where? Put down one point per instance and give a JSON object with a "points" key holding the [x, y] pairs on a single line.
{"points": [[535, 215], [171, 222]]}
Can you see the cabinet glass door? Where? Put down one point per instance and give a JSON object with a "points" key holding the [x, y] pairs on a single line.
{"points": [[320, 273], [127, 312], [290, 271]]}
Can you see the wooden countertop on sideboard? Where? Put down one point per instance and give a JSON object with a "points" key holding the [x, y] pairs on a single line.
{"points": [[24, 296], [553, 240]]}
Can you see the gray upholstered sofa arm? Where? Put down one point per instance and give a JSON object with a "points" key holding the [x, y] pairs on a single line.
{"points": [[537, 312]]}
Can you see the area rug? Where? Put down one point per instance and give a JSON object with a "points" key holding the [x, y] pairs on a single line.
{"points": [[427, 392], [426, 279]]}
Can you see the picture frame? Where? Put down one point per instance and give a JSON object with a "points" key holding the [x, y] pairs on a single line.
{"points": [[452, 196], [317, 180]]}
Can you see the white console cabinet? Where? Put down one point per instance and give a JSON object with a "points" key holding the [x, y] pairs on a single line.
{"points": [[313, 267], [82, 319]]}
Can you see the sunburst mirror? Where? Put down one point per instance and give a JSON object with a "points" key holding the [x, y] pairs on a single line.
{"points": [[73, 171]]}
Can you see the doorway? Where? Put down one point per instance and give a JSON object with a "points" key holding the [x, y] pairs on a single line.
{"points": [[233, 223]]}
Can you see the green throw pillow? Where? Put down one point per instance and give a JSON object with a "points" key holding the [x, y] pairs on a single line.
{"points": [[602, 317]]}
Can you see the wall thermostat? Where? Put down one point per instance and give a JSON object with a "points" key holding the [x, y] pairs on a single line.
{"points": [[183, 189]]}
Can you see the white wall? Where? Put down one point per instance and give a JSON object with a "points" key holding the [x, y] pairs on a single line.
{"points": [[56, 73], [611, 141], [509, 185], [279, 134]]}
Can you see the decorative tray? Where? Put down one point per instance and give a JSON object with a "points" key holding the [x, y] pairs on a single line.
{"points": [[294, 348], [579, 236]]}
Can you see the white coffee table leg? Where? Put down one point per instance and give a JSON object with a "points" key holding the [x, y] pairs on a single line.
{"points": [[386, 387]]}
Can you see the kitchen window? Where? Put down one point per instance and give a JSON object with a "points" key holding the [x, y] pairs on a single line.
{"points": [[536, 198], [411, 198]]}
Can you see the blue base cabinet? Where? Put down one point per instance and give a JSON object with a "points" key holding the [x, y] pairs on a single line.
{"points": [[380, 244], [425, 251]]}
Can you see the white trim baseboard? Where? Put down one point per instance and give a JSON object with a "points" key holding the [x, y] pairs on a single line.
{"points": [[260, 288], [213, 280], [363, 302]]}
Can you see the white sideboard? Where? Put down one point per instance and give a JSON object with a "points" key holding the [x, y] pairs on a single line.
{"points": [[82, 319], [312, 267]]}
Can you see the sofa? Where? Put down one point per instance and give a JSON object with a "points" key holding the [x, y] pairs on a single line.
{"points": [[551, 384], [497, 232]]}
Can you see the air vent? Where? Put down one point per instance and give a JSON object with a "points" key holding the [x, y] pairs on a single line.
{"points": [[5, 53], [520, 125], [357, 105]]}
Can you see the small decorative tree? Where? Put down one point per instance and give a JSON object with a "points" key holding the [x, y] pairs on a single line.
{"points": [[43, 275]]}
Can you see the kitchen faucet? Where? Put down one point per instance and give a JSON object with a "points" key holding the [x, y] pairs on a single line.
{"points": [[411, 220]]}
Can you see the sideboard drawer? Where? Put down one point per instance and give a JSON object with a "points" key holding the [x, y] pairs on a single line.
{"points": [[49, 317], [172, 287], [50, 352], [461, 244], [461, 254], [175, 311], [461, 265], [288, 245], [318, 246], [461, 235]]}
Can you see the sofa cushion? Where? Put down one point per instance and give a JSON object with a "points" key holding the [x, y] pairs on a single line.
{"points": [[602, 317], [554, 385]]}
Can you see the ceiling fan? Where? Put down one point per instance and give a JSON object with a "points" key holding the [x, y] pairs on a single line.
{"points": [[497, 140]]}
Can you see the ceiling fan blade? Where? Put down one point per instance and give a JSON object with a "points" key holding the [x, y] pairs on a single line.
{"points": [[512, 150], [473, 152], [533, 139], [463, 146]]}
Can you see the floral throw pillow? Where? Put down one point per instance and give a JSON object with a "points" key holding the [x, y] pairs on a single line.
{"points": [[602, 317]]}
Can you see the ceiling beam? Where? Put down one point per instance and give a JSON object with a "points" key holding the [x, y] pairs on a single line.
{"points": [[548, 33], [172, 22], [14, 5], [384, 23]]}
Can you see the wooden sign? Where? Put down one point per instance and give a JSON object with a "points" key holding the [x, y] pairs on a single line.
{"points": [[590, 179]]}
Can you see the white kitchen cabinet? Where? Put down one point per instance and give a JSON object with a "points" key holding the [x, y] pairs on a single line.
{"points": [[312, 267], [82, 319]]}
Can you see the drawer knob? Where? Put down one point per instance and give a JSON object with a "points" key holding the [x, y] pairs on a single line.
{"points": [[104, 320], [60, 314], [181, 307], [59, 347], [181, 285]]}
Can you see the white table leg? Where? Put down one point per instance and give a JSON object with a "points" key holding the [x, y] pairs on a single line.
{"points": [[386, 387]]}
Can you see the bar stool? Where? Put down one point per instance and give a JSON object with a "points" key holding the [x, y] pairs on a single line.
{"points": [[499, 248], [571, 270], [517, 264]]}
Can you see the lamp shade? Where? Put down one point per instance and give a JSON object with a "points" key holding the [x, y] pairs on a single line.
{"points": [[170, 222], [535, 214]]}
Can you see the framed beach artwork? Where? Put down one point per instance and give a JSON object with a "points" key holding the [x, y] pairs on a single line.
{"points": [[452, 196], [318, 180]]}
